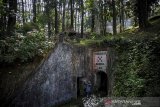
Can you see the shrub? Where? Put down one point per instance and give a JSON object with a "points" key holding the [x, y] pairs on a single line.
{"points": [[23, 48], [137, 68], [30, 26]]}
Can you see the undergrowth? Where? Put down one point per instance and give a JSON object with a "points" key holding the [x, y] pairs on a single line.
{"points": [[23, 48]]}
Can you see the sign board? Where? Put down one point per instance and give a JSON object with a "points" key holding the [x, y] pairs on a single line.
{"points": [[100, 60]]}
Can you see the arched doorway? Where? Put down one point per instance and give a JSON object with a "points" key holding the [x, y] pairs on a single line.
{"points": [[102, 83]]}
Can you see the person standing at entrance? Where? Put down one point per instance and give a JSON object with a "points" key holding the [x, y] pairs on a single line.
{"points": [[88, 89]]}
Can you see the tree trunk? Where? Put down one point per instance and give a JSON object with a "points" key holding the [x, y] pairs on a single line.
{"points": [[12, 16], [67, 22], [82, 18], [39, 6], [3, 20], [75, 26], [63, 17], [122, 15], [142, 14], [23, 12], [78, 23], [48, 17], [72, 13], [34, 11], [56, 18], [25, 4], [101, 17], [93, 20], [105, 16], [59, 15], [114, 17], [135, 21]]}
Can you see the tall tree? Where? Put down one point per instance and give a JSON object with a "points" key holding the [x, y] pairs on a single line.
{"points": [[114, 17], [76, 15], [12, 16], [142, 13], [56, 17], [92, 15], [82, 18], [72, 13], [48, 7], [142, 8], [105, 17], [64, 14], [34, 11], [121, 15], [78, 22], [23, 20], [25, 8], [101, 16], [3, 17]]}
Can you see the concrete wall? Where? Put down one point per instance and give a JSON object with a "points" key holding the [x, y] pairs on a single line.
{"points": [[109, 72], [55, 81]]}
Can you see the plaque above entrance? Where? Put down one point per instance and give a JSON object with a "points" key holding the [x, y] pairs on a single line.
{"points": [[100, 60]]}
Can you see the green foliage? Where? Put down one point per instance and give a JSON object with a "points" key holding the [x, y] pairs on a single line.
{"points": [[23, 48], [1, 7], [89, 4], [137, 67], [42, 19], [128, 83], [30, 26], [94, 35]]}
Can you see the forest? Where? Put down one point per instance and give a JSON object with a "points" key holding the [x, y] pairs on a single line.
{"points": [[29, 29], [45, 19]]}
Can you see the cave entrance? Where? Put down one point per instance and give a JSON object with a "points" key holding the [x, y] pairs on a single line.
{"points": [[80, 88], [102, 83]]}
